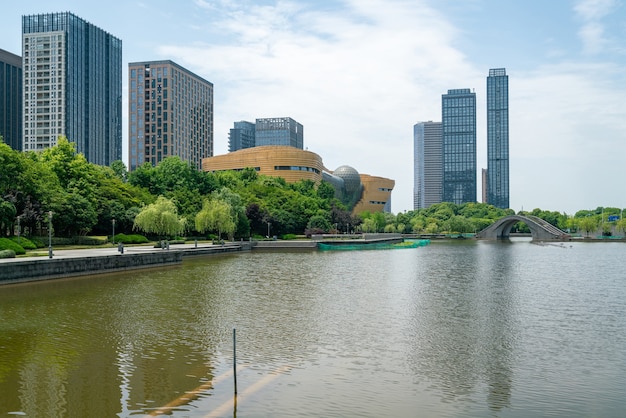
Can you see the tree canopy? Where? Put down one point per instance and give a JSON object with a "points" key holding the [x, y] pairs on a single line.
{"points": [[175, 197]]}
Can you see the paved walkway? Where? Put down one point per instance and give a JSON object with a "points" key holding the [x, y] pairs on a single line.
{"points": [[97, 252]]}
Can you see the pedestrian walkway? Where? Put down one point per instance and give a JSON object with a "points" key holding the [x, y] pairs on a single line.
{"points": [[99, 252]]}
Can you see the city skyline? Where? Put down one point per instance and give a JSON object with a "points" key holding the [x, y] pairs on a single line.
{"points": [[331, 66]]}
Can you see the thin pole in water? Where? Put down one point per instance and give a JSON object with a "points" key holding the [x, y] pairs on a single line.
{"points": [[235, 359]]}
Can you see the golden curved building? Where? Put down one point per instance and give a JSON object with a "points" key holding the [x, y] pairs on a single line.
{"points": [[290, 163], [294, 164], [376, 194]]}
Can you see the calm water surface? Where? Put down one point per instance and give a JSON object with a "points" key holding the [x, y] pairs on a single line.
{"points": [[467, 329]]}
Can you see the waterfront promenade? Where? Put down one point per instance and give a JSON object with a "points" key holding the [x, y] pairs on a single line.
{"points": [[79, 262]]}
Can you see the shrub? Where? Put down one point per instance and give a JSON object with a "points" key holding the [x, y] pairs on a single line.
{"points": [[7, 244], [131, 239], [289, 236], [61, 241], [25, 243], [7, 254], [91, 240], [37, 241]]}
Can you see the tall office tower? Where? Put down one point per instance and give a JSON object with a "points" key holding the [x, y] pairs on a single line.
{"points": [[498, 138], [427, 164], [72, 86], [170, 113], [458, 112], [11, 99], [241, 136], [279, 131]]}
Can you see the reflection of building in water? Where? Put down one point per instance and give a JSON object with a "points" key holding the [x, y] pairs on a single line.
{"points": [[463, 332], [359, 192]]}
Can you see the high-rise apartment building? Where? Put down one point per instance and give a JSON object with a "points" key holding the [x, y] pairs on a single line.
{"points": [[72, 72], [11, 99], [498, 138], [427, 164], [170, 113], [241, 136], [458, 115], [279, 131]]}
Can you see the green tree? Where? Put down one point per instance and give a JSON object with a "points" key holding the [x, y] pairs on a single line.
{"points": [[588, 224], [119, 168], [75, 215], [325, 190], [319, 222], [160, 218], [621, 225], [216, 215], [369, 225], [7, 215], [237, 210]]}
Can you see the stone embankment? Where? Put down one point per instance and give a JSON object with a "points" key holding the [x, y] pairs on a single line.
{"points": [[71, 263]]}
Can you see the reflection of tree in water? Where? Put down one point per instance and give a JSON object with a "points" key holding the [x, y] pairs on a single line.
{"points": [[463, 332]]}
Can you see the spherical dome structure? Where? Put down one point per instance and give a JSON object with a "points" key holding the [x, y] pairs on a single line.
{"points": [[351, 178]]}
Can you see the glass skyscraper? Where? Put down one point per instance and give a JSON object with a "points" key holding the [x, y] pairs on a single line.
{"points": [[458, 115], [498, 138], [11, 99], [279, 131], [72, 86], [427, 164], [170, 113], [241, 136]]}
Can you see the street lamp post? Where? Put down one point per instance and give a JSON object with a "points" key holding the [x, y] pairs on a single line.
{"points": [[113, 236], [268, 230], [18, 229], [50, 234]]}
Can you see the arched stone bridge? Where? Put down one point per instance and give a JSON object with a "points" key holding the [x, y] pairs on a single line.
{"points": [[540, 229]]}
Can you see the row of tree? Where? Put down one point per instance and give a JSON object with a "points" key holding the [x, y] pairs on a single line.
{"points": [[175, 199]]}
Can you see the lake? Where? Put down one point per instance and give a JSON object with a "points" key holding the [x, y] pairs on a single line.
{"points": [[465, 328]]}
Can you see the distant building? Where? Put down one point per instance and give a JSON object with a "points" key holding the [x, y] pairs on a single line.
{"points": [[170, 113], [72, 86], [11, 99], [279, 131], [458, 115], [498, 138], [361, 192], [427, 164], [241, 136], [484, 185]]}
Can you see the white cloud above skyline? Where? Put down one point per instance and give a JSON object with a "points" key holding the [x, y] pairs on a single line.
{"points": [[359, 74]]}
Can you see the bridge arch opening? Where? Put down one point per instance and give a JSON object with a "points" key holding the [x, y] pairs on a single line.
{"points": [[539, 229]]}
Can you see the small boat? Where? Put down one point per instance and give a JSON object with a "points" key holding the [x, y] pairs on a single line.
{"points": [[353, 246]]}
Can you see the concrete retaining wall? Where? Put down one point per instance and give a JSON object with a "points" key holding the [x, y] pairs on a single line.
{"points": [[32, 270]]}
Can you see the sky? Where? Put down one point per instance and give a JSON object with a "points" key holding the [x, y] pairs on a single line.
{"points": [[359, 74]]}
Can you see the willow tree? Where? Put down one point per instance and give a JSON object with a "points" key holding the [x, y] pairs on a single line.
{"points": [[216, 215], [160, 218]]}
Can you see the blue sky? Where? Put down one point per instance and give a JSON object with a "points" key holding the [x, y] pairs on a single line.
{"points": [[358, 74]]}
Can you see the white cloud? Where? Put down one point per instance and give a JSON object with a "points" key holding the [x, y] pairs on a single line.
{"points": [[359, 76], [592, 32]]}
